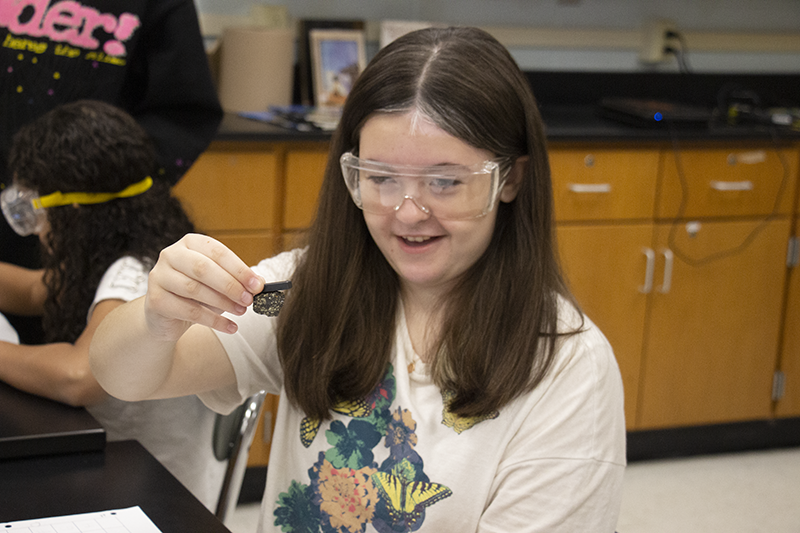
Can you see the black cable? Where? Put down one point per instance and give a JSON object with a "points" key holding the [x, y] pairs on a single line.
{"points": [[684, 199], [681, 52]]}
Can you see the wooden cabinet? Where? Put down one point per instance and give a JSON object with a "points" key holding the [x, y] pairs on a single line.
{"points": [[605, 201], [712, 337], [788, 403], [605, 266], [689, 288], [305, 169], [232, 193], [304, 172], [788, 383], [679, 257]]}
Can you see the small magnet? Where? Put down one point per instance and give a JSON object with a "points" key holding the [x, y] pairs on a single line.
{"points": [[270, 300]]}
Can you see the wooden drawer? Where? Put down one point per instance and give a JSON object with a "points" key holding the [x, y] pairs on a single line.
{"points": [[727, 182], [227, 190], [603, 184], [305, 170]]}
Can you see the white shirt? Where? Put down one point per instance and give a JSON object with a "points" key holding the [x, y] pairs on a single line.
{"points": [[551, 460], [178, 431]]}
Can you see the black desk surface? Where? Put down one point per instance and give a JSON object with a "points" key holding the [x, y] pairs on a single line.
{"points": [[123, 475], [32, 425]]}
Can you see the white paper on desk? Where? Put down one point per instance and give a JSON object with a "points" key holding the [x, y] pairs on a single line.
{"points": [[130, 520], [7, 332]]}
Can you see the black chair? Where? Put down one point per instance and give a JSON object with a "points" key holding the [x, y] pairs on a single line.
{"points": [[233, 435]]}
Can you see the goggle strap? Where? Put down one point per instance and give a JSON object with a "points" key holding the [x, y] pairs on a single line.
{"points": [[85, 198]]}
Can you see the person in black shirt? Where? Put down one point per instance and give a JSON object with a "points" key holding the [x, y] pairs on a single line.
{"points": [[144, 56]]}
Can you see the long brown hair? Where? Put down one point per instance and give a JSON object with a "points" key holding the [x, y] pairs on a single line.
{"points": [[91, 146], [499, 334]]}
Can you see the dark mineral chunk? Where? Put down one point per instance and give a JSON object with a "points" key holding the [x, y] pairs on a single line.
{"points": [[270, 300]]}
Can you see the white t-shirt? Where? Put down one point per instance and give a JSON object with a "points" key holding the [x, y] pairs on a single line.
{"points": [[178, 431], [550, 461]]}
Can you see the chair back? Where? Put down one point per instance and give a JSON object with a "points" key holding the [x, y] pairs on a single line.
{"points": [[233, 435]]}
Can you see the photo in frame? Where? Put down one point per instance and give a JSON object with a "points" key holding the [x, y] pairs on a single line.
{"points": [[304, 85], [337, 58]]}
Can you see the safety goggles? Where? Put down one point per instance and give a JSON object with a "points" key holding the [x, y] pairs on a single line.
{"points": [[449, 192], [24, 208]]}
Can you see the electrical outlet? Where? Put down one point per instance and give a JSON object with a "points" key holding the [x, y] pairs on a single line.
{"points": [[655, 41]]}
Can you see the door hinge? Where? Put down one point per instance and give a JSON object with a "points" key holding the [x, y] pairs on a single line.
{"points": [[793, 252], [778, 385]]}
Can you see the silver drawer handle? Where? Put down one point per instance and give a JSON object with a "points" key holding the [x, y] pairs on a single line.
{"points": [[746, 185], [668, 261], [589, 187], [649, 271], [753, 157]]}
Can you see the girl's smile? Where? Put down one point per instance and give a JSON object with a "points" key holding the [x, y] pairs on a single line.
{"points": [[426, 252]]}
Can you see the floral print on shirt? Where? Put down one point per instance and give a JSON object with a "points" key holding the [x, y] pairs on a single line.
{"points": [[347, 489]]}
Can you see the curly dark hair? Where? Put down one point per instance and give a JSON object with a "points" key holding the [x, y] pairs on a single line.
{"points": [[91, 146]]}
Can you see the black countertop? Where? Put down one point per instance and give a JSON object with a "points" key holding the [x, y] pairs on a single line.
{"points": [[569, 104], [586, 123], [237, 128], [565, 123]]}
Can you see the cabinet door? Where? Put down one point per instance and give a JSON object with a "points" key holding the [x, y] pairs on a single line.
{"points": [[789, 403], [305, 170], [232, 190], [711, 345], [605, 266]]}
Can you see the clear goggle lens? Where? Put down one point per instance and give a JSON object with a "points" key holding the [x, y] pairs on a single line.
{"points": [[449, 192], [25, 210], [18, 208]]}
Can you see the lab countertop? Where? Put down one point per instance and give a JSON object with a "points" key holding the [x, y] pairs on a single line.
{"points": [[569, 103], [568, 123]]}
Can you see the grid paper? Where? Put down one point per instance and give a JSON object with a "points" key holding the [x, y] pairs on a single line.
{"points": [[130, 520]]}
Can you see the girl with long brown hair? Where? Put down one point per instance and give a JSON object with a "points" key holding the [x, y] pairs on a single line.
{"points": [[434, 371]]}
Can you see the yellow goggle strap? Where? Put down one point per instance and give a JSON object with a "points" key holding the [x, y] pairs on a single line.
{"points": [[83, 198]]}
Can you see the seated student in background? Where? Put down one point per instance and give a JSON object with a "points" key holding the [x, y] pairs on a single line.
{"points": [[146, 57], [102, 220], [435, 373]]}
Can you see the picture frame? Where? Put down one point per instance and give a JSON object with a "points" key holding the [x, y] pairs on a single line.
{"points": [[337, 58], [304, 85], [392, 29]]}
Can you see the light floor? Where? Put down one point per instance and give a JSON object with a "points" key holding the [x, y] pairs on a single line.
{"points": [[750, 492]]}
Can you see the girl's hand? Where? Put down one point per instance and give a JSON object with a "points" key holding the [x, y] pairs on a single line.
{"points": [[194, 281]]}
